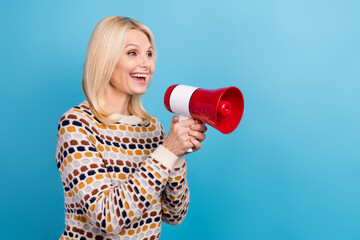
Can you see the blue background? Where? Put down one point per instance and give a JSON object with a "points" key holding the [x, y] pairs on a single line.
{"points": [[289, 171]]}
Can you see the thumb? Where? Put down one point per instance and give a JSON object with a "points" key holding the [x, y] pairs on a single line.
{"points": [[174, 119]]}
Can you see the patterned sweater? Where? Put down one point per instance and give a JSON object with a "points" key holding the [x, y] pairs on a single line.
{"points": [[119, 181]]}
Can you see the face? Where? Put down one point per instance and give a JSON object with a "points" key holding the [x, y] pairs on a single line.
{"points": [[134, 67]]}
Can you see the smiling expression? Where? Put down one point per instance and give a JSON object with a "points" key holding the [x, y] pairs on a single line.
{"points": [[134, 67]]}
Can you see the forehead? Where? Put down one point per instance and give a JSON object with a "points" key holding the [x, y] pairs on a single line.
{"points": [[136, 37]]}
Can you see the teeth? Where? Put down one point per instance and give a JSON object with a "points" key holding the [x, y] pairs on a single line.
{"points": [[138, 75]]}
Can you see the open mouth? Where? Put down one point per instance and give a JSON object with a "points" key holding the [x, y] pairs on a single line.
{"points": [[139, 77]]}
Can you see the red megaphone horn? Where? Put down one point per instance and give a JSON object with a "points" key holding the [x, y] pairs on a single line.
{"points": [[220, 108]]}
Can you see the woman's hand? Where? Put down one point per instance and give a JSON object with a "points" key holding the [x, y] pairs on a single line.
{"points": [[184, 135]]}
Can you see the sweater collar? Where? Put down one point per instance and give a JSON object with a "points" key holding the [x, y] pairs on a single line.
{"points": [[132, 119], [118, 118]]}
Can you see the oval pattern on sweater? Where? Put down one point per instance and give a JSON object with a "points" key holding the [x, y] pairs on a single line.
{"points": [[113, 186]]}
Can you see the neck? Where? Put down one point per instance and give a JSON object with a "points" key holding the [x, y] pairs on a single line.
{"points": [[117, 102]]}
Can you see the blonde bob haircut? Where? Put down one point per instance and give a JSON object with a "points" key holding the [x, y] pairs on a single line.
{"points": [[105, 46]]}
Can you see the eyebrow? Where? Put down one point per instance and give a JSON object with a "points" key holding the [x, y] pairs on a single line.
{"points": [[135, 45]]}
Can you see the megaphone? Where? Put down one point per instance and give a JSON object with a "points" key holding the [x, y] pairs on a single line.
{"points": [[220, 108]]}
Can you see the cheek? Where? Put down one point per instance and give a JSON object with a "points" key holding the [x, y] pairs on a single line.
{"points": [[124, 72], [152, 67], [125, 66], [119, 76], [130, 66]]}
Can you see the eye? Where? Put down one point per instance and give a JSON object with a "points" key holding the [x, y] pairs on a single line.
{"points": [[132, 53], [149, 54]]}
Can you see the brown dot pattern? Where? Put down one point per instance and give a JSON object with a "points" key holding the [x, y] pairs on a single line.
{"points": [[113, 188]]}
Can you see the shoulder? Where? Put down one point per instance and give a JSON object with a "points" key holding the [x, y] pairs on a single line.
{"points": [[155, 121], [156, 124], [79, 116], [81, 110]]}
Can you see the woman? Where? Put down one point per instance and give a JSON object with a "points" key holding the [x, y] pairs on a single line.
{"points": [[121, 176]]}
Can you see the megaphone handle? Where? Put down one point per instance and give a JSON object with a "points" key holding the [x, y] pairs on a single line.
{"points": [[184, 118], [181, 118]]}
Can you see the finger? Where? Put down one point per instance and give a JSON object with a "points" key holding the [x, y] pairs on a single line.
{"points": [[197, 144], [201, 127], [198, 135], [174, 119], [188, 145]]}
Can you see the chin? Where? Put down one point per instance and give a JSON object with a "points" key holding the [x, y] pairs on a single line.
{"points": [[139, 91]]}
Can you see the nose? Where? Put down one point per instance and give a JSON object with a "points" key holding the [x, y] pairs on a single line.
{"points": [[145, 62]]}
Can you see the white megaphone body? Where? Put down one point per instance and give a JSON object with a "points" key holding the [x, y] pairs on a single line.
{"points": [[220, 108]]}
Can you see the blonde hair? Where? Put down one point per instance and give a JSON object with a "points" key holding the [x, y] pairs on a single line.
{"points": [[104, 49]]}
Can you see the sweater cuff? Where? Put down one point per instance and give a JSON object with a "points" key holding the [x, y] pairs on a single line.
{"points": [[180, 162], [164, 156]]}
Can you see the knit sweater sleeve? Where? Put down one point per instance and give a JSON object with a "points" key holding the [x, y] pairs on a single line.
{"points": [[87, 182], [176, 195]]}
